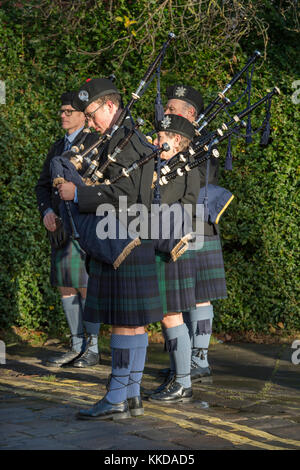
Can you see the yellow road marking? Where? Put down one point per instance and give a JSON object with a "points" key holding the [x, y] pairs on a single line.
{"points": [[69, 383], [77, 397], [228, 436], [233, 426], [46, 396], [45, 387]]}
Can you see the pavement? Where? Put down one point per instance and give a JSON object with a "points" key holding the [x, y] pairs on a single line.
{"points": [[253, 403]]}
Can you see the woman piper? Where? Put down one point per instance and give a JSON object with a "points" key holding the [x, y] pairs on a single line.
{"points": [[177, 279]]}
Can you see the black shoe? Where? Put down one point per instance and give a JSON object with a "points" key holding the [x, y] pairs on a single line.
{"points": [[103, 409], [87, 359], [174, 393], [135, 406], [164, 372], [201, 374], [63, 359], [161, 387]]}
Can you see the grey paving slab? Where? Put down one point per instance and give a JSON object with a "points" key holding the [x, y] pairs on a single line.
{"points": [[253, 385]]}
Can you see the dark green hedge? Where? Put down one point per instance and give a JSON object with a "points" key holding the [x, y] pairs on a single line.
{"points": [[47, 47]]}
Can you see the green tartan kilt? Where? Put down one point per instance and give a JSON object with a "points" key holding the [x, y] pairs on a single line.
{"points": [[197, 276], [176, 282], [68, 266], [210, 273], [126, 296]]}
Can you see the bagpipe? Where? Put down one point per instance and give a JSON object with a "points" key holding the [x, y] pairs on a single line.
{"points": [[221, 103], [115, 249], [81, 226], [214, 198], [96, 149]]}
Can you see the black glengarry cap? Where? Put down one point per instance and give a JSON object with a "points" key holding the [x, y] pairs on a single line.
{"points": [[176, 124], [186, 93], [68, 98], [93, 89]]}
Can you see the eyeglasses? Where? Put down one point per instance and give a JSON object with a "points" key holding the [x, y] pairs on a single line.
{"points": [[68, 112], [91, 115]]}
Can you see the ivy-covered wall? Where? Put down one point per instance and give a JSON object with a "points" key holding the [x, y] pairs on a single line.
{"points": [[48, 46]]}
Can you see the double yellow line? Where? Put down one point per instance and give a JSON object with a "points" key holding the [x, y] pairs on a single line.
{"points": [[189, 420]]}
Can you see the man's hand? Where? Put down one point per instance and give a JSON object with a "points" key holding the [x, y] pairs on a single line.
{"points": [[49, 221], [66, 191]]}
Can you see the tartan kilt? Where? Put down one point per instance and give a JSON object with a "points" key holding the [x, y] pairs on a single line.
{"points": [[126, 296], [210, 273], [176, 282], [68, 266], [197, 276]]}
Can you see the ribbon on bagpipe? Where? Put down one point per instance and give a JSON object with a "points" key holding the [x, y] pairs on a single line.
{"points": [[226, 104], [216, 135], [215, 198], [221, 95], [248, 136]]}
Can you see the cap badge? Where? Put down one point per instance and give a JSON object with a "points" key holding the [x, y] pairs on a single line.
{"points": [[166, 122], [83, 95], [180, 91]]}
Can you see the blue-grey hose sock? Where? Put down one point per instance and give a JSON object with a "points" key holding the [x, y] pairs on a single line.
{"points": [[179, 346], [122, 352], [92, 331], [172, 363], [73, 312], [199, 322], [138, 364]]}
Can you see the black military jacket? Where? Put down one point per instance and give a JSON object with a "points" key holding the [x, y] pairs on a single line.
{"points": [[47, 196], [184, 189], [137, 187]]}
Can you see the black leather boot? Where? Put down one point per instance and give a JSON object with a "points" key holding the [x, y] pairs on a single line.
{"points": [[87, 359], [135, 406], [103, 409], [173, 393], [161, 387], [201, 374], [63, 359]]}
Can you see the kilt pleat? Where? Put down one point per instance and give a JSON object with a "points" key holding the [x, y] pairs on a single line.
{"points": [[210, 273], [197, 276], [176, 282], [128, 295], [68, 266]]}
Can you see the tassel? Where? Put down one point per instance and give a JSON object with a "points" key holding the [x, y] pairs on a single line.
{"points": [[156, 192], [248, 131], [266, 135], [228, 158], [121, 358], [203, 327], [265, 138], [206, 210], [172, 345], [159, 110]]}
